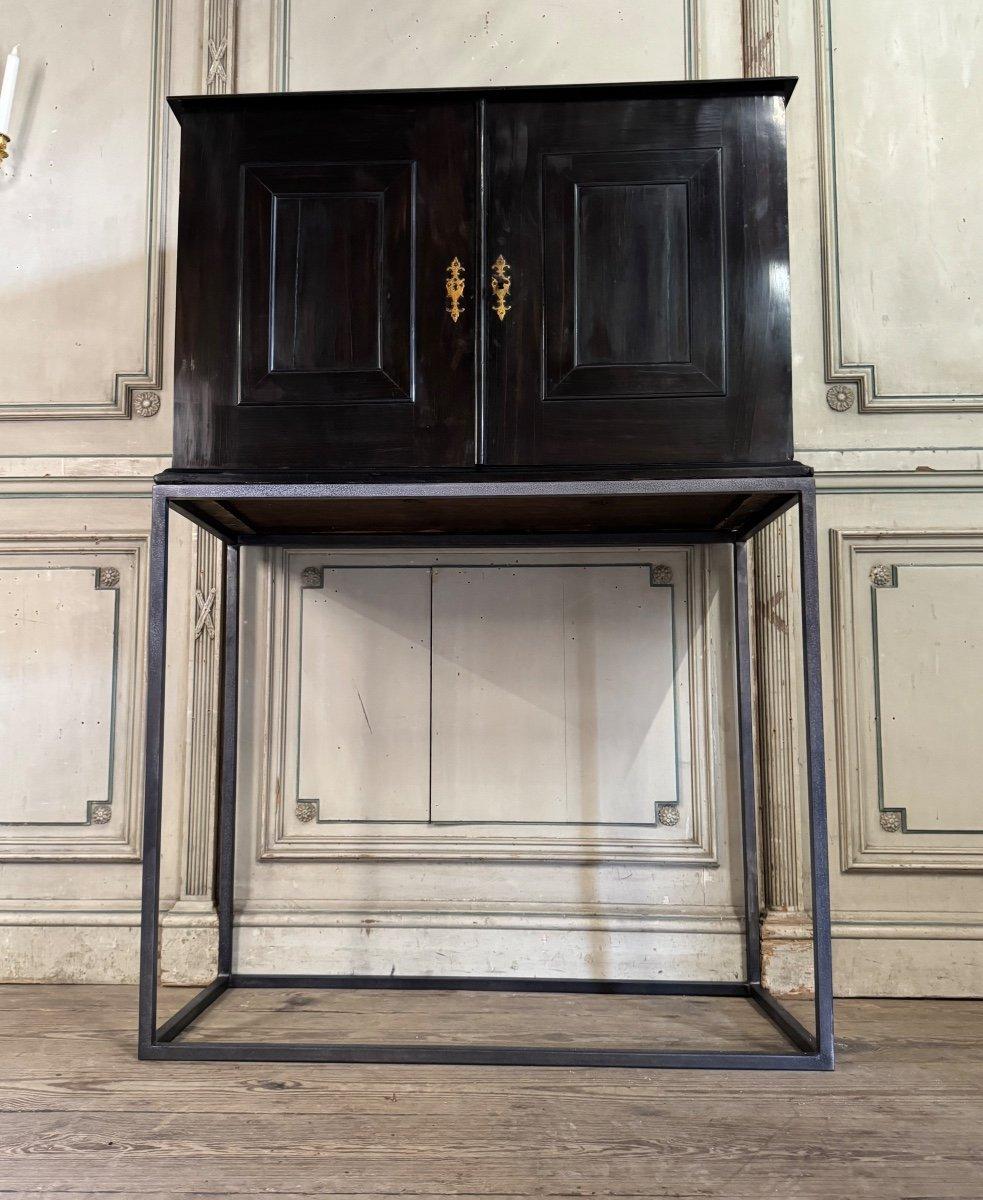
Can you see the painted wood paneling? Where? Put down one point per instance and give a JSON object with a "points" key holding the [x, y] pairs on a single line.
{"points": [[907, 659], [363, 689], [58, 666], [471, 43], [928, 680], [899, 93], [884, 165], [543, 704], [554, 695], [83, 199], [71, 638]]}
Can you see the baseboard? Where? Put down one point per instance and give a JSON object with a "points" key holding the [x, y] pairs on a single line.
{"points": [[874, 954]]}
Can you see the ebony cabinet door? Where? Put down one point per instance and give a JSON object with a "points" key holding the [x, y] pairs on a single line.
{"points": [[639, 312], [315, 328]]}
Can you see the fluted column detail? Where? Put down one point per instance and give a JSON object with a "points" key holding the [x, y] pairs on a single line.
{"points": [[759, 21], [218, 43], [777, 683], [203, 712]]}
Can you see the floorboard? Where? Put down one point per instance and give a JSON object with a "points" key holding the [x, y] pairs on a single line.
{"points": [[901, 1117]]}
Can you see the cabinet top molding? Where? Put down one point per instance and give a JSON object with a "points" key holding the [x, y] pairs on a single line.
{"points": [[777, 85]]}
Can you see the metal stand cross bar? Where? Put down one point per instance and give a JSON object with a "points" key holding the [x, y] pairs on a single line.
{"points": [[808, 1051]]}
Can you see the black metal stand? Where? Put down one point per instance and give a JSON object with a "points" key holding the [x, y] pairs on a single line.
{"points": [[222, 509]]}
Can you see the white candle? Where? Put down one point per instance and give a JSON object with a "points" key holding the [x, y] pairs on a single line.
{"points": [[7, 89]]}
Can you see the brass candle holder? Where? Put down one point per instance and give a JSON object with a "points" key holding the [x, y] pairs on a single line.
{"points": [[4, 143]]}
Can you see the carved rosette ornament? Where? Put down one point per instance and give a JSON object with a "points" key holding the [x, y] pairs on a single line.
{"points": [[840, 397], [891, 822], [107, 578], [146, 404], [881, 576], [661, 575], [669, 814], [101, 814], [306, 811], [312, 577]]}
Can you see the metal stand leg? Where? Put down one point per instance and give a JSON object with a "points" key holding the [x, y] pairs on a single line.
{"points": [[745, 732], [152, 798], [225, 851], [809, 1053], [228, 762], [816, 759]]}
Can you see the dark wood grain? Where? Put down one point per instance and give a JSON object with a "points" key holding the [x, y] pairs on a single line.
{"points": [[311, 323], [327, 284], [80, 1116], [632, 258], [633, 296], [566, 379], [646, 231]]}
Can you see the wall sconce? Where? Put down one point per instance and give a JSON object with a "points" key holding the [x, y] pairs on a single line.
{"points": [[7, 99]]}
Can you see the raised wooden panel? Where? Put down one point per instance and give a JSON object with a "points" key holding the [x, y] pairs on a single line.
{"points": [[553, 695], [325, 310], [899, 98], [312, 329], [327, 284], [81, 276], [909, 661], [633, 274], [638, 233], [648, 316], [71, 640], [409, 718]]}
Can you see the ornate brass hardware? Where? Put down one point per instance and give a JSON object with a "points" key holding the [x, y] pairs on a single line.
{"points": [[501, 286], [455, 288]]}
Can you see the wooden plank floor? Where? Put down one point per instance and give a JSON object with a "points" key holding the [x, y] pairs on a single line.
{"points": [[902, 1116]]}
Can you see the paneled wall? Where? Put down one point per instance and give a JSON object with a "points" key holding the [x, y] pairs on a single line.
{"points": [[496, 762], [888, 383], [85, 419]]}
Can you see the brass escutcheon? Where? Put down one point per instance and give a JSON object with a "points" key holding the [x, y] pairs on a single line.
{"points": [[455, 288], [501, 286]]}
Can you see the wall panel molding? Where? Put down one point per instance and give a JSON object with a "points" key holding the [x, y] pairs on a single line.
{"points": [[106, 824], [876, 832], [852, 378], [133, 392], [290, 831]]}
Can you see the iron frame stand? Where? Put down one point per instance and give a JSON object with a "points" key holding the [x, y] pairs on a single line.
{"points": [[199, 502]]}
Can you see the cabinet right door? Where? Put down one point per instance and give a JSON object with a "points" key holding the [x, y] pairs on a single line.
{"points": [[637, 282]]}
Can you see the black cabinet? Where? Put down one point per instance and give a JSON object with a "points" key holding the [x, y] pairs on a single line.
{"points": [[312, 243], [512, 278]]}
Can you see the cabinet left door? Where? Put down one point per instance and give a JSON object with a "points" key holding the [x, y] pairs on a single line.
{"points": [[325, 314]]}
